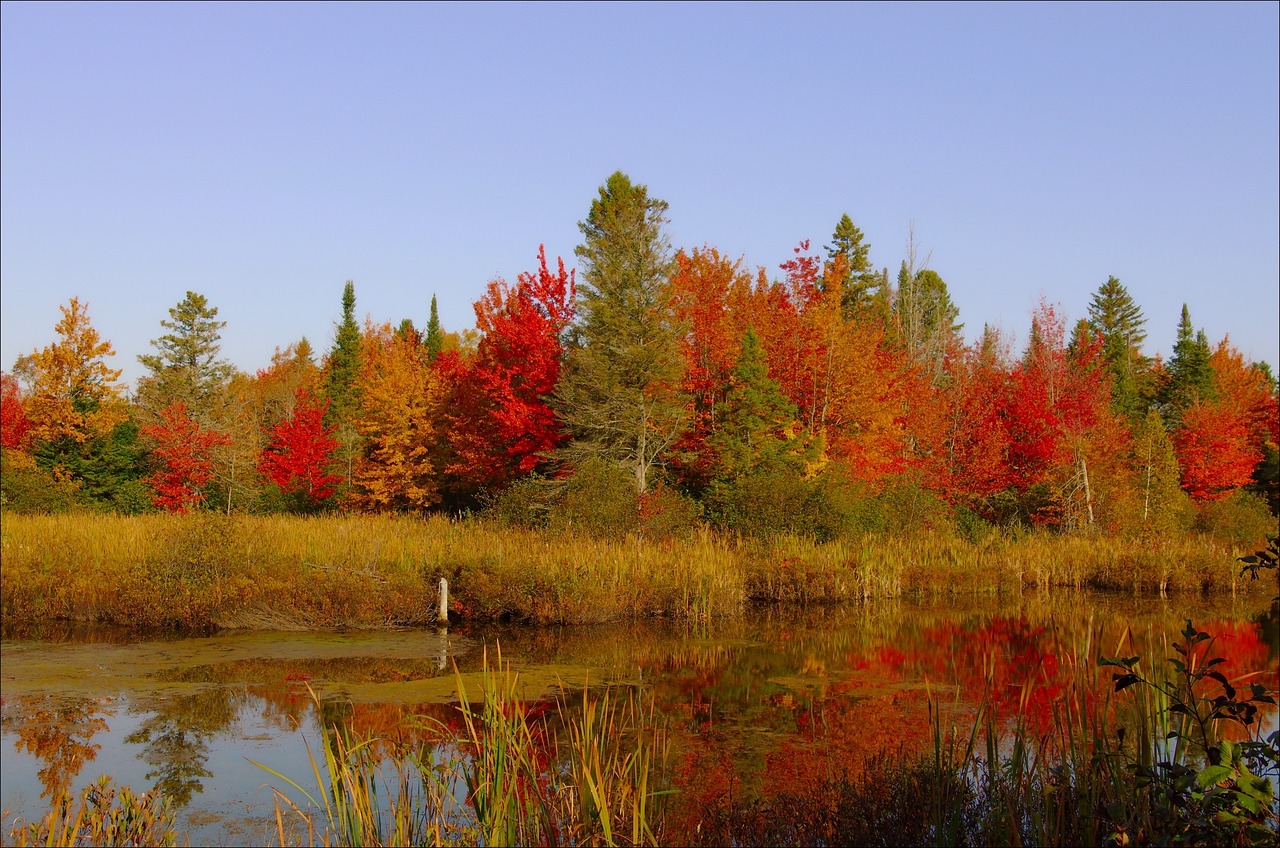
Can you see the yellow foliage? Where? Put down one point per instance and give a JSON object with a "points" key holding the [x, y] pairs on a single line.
{"points": [[73, 393], [400, 399]]}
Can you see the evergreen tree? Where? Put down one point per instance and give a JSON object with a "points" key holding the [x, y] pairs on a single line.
{"points": [[861, 283], [186, 367], [1190, 374], [1115, 315], [926, 315], [344, 361], [434, 339], [758, 431], [619, 394]]}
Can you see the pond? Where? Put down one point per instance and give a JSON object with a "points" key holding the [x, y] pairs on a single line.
{"points": [[765, 704]]}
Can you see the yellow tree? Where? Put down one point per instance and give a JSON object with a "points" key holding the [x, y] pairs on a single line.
{"points": [[73, 395], [400, 423]]}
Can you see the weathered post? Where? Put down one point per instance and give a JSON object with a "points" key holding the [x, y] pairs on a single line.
{"points": [[442, 614]]}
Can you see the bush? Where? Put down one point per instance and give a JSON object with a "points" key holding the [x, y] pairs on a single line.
{"points": [[25, 488], [1240, 519], [665, 513], [598, 500], [525, 503], [779, 503], [907, 508]]}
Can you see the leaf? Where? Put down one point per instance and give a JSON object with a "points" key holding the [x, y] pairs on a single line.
{"points": [[1124, 681]]}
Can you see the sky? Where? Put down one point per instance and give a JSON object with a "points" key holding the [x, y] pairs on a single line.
{"points": [[262, 155]]}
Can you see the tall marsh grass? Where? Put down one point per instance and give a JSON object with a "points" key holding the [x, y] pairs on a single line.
{"points": [[588, 775], [279, 572]]}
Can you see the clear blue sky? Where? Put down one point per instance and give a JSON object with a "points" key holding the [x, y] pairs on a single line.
{"points": [[263, 154]]}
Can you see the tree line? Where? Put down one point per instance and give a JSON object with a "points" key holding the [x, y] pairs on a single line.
{"points": [[676, 380]]}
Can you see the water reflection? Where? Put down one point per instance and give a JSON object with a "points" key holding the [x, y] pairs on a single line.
{"points": [[58, 732], [175, 736], [764, 707]]}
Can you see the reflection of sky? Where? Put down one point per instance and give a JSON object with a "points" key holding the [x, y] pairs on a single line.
{"points": [[234, 805], [768, 688]]}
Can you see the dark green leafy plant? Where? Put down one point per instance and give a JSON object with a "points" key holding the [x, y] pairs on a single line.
{"points": [[1203, 789]]}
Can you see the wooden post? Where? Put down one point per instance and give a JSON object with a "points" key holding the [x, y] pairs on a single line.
{"points": [[442, 614]]}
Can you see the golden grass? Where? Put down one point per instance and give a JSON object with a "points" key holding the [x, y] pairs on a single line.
{"points": [[208, 570]]}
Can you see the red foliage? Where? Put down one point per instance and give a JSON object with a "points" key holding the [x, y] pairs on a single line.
{"points": [[1214, 450], [15, 425], [502, 422], [301, 451], [711, 295], [184, 454], [977, 441]]}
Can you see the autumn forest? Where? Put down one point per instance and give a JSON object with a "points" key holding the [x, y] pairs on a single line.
{"points": [[660, 388]]}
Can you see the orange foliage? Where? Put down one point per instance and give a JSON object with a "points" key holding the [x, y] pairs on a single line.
{"points": [[400, 399]]}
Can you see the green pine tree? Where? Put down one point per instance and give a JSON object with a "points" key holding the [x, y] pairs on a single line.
{"points": [[861, 283], [1114, 314], [1190, 375], [186, 366], [344, 361], [434, 339], [618, 396], [759, 433], [340, 383]]}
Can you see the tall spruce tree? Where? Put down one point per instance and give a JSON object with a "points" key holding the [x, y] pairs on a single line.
{"points": [[1114, 314], [758, 432], [861, 282], [186, 366], [344, 361], [619, 394], [1190, 374], [434, 339], [341, 386]]}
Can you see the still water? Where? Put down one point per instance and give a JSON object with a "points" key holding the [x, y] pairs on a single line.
{"points": [[767, 704]]}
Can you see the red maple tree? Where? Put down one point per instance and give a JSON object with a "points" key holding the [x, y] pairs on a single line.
{"points": [[300, 453], [502, 424], [184, 456], [14, 422]]}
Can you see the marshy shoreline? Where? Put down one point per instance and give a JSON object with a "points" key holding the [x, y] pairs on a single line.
{"points": [[209, 572]]}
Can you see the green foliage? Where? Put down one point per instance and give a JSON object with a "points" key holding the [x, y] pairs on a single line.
{"points": [[108, 469], [758, 432], [599, 500], [863, 288], [1241, 519], [1114, 314], [1201, 789], [343, 366], [909, 508], [777, 503], [926, 316], [186, 366], [618, 393], [32, 490], [1190, 374], [434, 337], [525, 503]]}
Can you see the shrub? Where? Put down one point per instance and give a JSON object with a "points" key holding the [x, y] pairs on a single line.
{"points": [[25, 488], [525, 503], [599, 500], [664, 512], [1241, 519]]}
